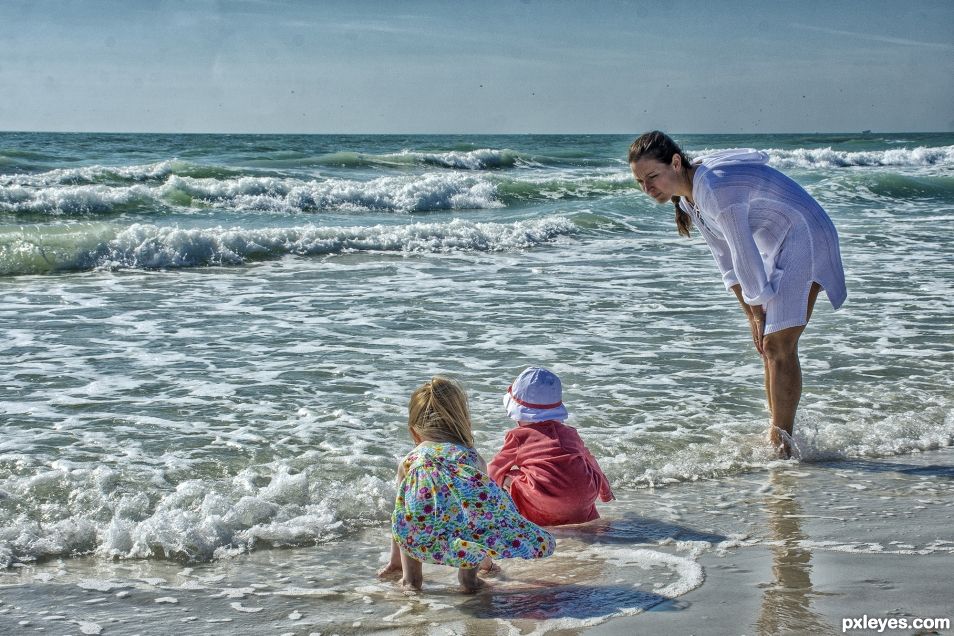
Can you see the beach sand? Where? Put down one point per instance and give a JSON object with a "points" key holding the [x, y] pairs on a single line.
{"points": [[794, 549]]}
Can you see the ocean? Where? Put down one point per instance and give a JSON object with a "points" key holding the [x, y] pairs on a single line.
{"points": [[209, 341]]}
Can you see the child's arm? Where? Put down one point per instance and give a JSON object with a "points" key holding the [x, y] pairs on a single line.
{"points": [[393, 568], [606, 493], [504, 460]]}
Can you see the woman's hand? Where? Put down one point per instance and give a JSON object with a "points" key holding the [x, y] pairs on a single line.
{"points": [[756, 316], [757, 324]]}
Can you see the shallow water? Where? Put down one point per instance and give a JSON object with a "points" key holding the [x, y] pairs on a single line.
{"points": [[209, 341], [645, 554]]}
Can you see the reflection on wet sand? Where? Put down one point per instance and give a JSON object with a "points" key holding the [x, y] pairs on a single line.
{"points": [[786, 602]]}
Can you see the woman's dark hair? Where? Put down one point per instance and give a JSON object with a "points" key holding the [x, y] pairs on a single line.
{"points": [[660, 146]]}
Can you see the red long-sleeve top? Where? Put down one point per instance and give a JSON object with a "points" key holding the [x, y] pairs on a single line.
{"points": [[555, 479]]}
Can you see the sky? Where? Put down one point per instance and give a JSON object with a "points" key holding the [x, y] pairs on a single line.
{"points": [[479, 66]]}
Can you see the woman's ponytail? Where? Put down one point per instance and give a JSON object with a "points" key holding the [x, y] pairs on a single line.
{"points": [[683, 220]]}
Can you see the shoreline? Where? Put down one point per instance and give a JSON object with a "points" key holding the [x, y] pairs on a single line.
{"points": [[792, 549]]}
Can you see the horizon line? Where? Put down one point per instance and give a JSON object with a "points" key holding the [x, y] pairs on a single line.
{"points": [[474, 134]]}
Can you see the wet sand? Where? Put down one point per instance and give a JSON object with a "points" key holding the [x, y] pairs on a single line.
{"points": [[789, 550]]}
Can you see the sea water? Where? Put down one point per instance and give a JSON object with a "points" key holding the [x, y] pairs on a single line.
{"points": [[208, 342]]}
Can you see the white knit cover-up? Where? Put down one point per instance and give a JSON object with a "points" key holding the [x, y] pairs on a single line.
{"points": [[766, 234]]}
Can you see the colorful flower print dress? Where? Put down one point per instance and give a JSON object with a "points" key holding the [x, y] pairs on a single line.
{"points": [[449, 512]]}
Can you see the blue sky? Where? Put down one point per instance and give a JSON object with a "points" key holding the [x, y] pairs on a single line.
{"points": [[528, 66]]}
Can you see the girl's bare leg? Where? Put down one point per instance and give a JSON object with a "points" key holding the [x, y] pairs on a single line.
{"points": [[468, 580], [413, 573], [393, 569]]}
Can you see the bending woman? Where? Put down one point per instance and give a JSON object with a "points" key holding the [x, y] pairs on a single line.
{"points": [[774, 244]]}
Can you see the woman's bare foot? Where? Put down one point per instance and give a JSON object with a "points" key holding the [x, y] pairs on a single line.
{"points": [[781, 442], [469, 582]]}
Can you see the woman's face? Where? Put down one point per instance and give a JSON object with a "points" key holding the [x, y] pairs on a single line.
{"points": [[659, 180]]}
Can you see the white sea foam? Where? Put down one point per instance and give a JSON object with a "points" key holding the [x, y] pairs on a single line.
{"points": [[92, 174], [411, 193], [200, 519], [921, 156], [152, 246], [79, 246], [74, 199], [437, 191], [98, 585], [480, 159]]}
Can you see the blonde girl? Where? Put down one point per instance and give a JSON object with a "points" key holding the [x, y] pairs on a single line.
{"points": [[448, 511]]}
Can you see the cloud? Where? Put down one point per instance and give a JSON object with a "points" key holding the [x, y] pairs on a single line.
{"points": [[875, 38]]}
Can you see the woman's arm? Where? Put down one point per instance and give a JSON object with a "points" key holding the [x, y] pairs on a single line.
{"points": [[747, 263], [726, 203]]}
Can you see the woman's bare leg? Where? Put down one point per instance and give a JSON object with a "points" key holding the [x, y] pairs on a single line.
{"points": [[768, 384], [784, 383], [784, 377]]}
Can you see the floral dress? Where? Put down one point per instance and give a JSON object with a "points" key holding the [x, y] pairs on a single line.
{"points": [[449, 512]]}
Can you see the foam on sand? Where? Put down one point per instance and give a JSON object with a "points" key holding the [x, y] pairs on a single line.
{"points": [[794, 536]]}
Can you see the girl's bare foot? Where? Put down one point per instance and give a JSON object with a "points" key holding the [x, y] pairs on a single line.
{"points": [[469, 582], [414, 585], [390, 572], [489, 568]]}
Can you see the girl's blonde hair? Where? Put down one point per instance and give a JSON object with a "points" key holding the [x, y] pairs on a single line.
{"points": [[438, 412]]}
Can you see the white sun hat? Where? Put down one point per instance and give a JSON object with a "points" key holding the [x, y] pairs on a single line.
{"points": [[535, 396]]}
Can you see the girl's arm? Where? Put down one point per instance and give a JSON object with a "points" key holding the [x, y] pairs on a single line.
{"points": [[393, 568], [602, 483]]}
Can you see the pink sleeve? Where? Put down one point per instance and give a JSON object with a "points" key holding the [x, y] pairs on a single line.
{"points": [[606, 493], [572, 436], [505, 459]]}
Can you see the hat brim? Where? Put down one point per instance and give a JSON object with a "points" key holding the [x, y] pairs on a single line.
{"points": [[521, 413]]}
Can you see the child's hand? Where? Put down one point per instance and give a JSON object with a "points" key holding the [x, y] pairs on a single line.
{"points": [[390, 572]]}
